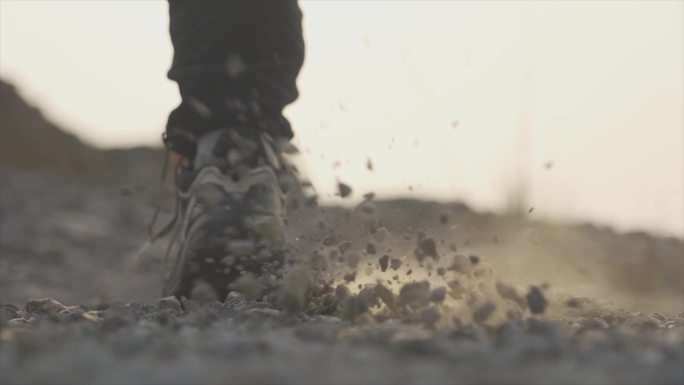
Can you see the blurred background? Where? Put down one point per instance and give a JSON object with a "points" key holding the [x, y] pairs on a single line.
{"points": [[560, 125], [573, 108]]}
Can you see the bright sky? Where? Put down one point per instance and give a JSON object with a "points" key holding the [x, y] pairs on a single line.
{"points": [[435, 93]]}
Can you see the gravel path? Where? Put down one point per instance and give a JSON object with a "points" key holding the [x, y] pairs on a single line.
{"points": [[462, 297]]}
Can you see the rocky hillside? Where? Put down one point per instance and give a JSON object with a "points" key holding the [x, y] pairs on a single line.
{"points": [[29, 141]]}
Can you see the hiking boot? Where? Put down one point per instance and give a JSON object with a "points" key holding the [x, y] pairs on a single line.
{"points": [[230, 216]]}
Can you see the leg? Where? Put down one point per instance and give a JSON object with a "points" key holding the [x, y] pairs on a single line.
{"points": [[236, 64]]}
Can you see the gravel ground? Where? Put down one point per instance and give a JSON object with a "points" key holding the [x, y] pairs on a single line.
{"points": [[389, 292]]}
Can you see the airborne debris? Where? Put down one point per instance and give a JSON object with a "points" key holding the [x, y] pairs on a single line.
{"points": [[384, 261], [344, 246], [343, 189], [369, 196], [200, 108], [415, 294], [483, 312], [429, 317], [438, 294], [350, 277], [354, 306], [508, 292], [381, 234], [385, 295], [330, 240], [249, 286], [165, 339], [426, 248], [461, 264], [202, 291], [536, 300]]}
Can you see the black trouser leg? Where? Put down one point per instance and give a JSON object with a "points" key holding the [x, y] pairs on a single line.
{"points": [[236, 63]]}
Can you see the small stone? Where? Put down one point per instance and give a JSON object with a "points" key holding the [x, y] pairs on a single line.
{"points": [[474, 259], [344, 246], [44, 306], [168, 303], [395, 263], [369, 196], [384, 261], [343, 189], [426, 248], [437, 295], [536, 300], [329, 241], [508, 292], [594, 324], [350, 277], [429, 317], [461, 264], [72, 314], [249, 286], [483, 312], [341, 292], [456, 289], [385, 295], [312, 201], [353, 260], [8, 312], [354, 306], [381, 234], [203, 291], [415, 294], [573, 303]]}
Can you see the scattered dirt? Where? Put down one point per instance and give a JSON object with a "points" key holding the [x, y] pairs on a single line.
{"points": [[544, 304]]}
